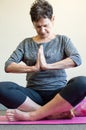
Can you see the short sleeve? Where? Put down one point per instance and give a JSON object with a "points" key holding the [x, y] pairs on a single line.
{"points": [[71, 51], [17, 55]]}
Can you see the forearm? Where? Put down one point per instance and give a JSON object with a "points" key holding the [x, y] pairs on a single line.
{"points": [[63, 64], [20, 68]]}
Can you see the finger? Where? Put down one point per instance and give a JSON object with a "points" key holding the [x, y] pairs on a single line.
{"points": [[41, 49]]}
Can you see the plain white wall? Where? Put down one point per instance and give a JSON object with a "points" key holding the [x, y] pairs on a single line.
{"points": [[15, 25]]}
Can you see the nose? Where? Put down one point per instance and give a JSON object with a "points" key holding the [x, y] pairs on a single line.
{"points": [[42, 30]]}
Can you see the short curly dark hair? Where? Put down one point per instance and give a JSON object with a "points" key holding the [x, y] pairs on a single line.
{"points": [[41, 9]]}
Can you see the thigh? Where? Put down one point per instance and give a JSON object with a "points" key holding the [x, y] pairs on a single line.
{"points": [[48, 95], [34, 95], [12, 95]]}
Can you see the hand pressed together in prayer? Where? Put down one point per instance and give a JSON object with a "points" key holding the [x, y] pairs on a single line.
{"points": [[41, 63]]}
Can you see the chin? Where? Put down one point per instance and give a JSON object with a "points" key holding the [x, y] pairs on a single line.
{"points": [[44, 36]]}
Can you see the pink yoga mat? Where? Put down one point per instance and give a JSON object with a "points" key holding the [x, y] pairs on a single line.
{"points": [[75, 120]]}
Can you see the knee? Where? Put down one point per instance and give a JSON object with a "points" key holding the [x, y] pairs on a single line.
{"points": [[5, 87], [78, 82], [79, 79]]}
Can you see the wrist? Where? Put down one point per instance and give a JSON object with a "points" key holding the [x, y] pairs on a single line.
{"points": [[45, 66], [34, 69], [49, 66]]}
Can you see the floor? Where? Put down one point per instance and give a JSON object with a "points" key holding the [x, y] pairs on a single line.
{"points": [[42, 127]]}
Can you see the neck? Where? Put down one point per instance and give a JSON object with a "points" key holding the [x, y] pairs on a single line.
{"points": [[39, 39]]}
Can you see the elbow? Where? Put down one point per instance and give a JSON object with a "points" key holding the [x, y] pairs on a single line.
{"points": [[79, 62], [7, 69]]}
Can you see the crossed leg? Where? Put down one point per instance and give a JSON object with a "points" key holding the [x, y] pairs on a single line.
{"points": [[56, 105], [61, 103]]}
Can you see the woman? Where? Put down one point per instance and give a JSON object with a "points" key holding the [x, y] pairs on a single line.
{"points": [[45, 55]]}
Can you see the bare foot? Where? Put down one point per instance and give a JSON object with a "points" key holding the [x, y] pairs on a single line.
{"points": [[3, 118], [63, 115], [17, 115], [80, 109]]}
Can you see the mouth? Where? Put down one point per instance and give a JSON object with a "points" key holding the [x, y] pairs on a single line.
{"points": [[43, 34]]}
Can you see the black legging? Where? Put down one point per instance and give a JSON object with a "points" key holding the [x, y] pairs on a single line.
{"points": [[75, 90], [12, 95]]}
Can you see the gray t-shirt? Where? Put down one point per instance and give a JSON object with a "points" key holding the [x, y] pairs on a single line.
{"points": [[55, 50]]}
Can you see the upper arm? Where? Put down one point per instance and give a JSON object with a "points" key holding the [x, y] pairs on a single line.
{"points": [[16, 56], [72, 52]]}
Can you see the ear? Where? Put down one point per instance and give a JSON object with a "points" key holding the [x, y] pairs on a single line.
{"points": [[53, 18]]}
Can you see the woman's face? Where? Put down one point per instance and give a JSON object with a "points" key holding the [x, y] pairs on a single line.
{"points": [[44, 27]]}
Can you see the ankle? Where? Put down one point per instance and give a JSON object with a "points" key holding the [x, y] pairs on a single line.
{"points": [[33, 116]]}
